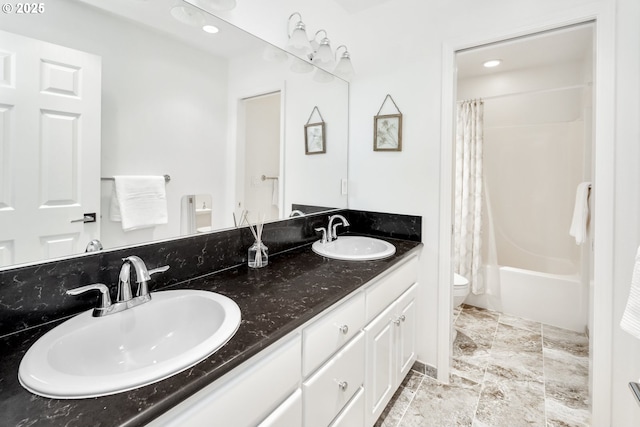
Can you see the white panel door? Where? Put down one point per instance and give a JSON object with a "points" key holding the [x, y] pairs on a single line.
{"points": [[49, 149]]}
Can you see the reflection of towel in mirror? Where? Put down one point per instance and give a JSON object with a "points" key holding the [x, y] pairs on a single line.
{"points": [[631, 318], [580, 213], [139, 201]]}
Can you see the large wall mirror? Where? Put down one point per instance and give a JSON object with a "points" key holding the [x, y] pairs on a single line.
{"points": [[93, 89]]}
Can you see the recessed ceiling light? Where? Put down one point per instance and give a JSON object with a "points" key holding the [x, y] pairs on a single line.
{"points": [[211, 29], [492, 63]]}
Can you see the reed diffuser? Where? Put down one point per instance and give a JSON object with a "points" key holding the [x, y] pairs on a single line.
{"points": [[258, 254]]}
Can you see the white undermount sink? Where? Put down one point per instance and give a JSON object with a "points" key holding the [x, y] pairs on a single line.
{"points": [[90, 356], [354, 248]]}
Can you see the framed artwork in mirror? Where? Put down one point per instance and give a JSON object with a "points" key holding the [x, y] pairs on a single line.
{"points": [[387, 133], [314, 141]]}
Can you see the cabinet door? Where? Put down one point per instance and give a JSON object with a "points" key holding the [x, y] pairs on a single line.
{"points": [[379, 364], [406, 324]]}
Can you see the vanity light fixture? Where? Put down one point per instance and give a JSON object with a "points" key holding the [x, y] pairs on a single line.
{"points": [[318, 51], [492, 63], [298, 42], [322, 54], [344, 68], [187, 14]]}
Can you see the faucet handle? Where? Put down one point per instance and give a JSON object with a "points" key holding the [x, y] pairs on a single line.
{"points": [[105, 300], [159, 270]]}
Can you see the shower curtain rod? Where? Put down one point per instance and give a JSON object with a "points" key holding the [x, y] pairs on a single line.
{"points": [[537, 91]]}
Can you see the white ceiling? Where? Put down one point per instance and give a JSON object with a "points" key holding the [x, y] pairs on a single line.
{"points": [[551, 47], [155, 14], [354, 6]]}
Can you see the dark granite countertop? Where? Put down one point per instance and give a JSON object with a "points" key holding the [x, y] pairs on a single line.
{"points": [[295, 286]]}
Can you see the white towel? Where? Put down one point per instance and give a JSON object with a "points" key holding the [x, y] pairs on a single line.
{"points": [[631, 318], [139, 201], [580, 213]]}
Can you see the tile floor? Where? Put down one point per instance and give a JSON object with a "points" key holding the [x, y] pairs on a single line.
{"points": [[506, 372]]}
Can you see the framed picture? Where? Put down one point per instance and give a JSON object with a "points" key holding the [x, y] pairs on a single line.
{"points": [[314, 138], [387, 133]]}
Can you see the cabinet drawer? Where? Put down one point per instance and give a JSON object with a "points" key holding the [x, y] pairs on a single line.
{"points": [[289, 414], [353, 414], [244, 398], [389, 287], [328, 390], [327, 334]]}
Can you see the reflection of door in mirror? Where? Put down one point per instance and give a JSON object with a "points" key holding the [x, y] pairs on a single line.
{"points": [[259, 191], [50, 126], [196, 214]]}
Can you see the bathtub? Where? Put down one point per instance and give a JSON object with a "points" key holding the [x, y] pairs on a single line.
{"points": [[555, 299]]}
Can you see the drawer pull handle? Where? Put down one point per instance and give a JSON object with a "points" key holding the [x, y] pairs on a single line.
{"points": [[399, 319], [344, 329], [343, 385]]}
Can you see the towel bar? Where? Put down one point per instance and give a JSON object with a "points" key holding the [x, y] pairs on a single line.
{"points": [[167, 178]]}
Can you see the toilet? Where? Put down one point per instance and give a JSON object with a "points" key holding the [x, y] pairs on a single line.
{"points": [[460, 289], [460, 292]]}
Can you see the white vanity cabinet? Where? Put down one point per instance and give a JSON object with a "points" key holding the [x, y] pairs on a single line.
{"points": [[390, 337], [248, 395], [340, 369], [390, 352]]}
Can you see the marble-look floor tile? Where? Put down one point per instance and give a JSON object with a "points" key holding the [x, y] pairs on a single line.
{"points": [[511, 403], [506, 372], [517, 322], [572, 342], [517, 339], [400, 401], [558, 415], [437, 404], [567, 378]]}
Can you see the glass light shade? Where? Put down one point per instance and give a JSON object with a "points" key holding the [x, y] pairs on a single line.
{"points": [[298, 42], [324, 55], [188, 15], [299, 66], [344, 68]]}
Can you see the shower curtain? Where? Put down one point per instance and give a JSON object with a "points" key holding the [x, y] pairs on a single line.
{"points": [[468, 194]]}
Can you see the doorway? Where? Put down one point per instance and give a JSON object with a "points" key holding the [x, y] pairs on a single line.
{"points": [[259, 183], [448, 166]]}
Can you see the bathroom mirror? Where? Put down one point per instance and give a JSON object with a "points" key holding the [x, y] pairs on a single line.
{"points": [[172, 102]]}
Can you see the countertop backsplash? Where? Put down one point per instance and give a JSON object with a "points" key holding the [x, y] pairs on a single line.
{"points": [[32, 295]]}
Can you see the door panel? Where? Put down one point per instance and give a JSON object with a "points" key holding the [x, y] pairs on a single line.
{"points": [[50, 120]]}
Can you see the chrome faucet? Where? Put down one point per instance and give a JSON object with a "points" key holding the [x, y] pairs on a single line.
{"points": [[332, 229], [124, 281], [124, 298]]}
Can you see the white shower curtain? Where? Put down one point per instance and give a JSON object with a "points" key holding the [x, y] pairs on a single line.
{"points": [[468, 194]]}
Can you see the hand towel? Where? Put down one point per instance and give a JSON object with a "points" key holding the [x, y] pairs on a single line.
{"points": [[580, 213], [631, 318], [139, 201]]}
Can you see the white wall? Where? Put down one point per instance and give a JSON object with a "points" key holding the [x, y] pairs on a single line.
{"points": [[301, 93], [161, 101], [533, 161]]}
